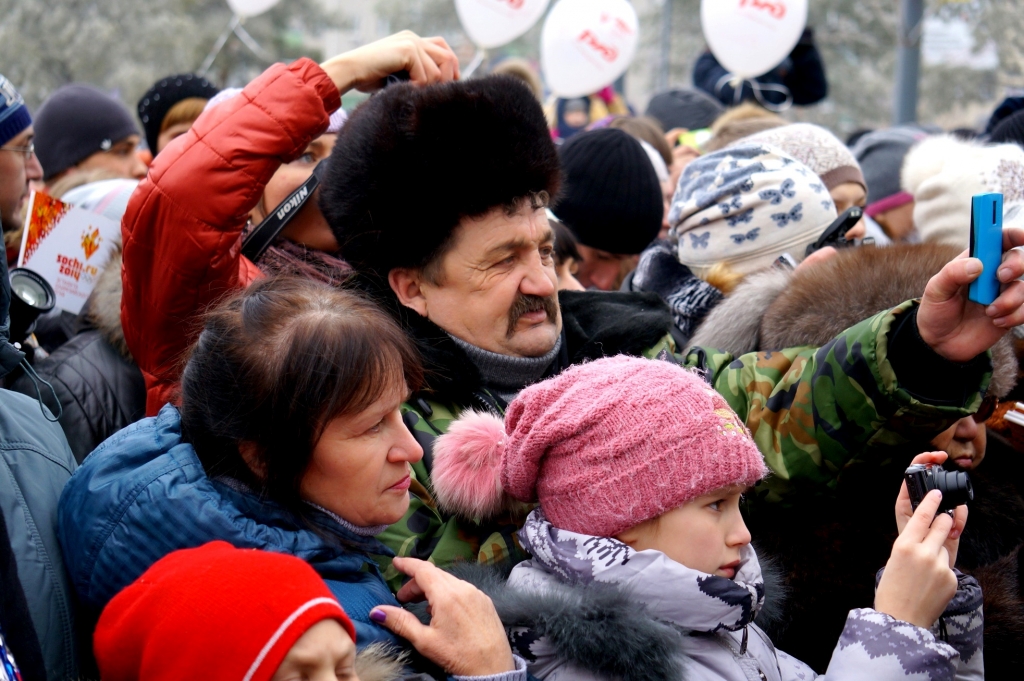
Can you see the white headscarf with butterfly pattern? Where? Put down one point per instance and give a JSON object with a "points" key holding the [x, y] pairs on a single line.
{"points": [[745, 206]]}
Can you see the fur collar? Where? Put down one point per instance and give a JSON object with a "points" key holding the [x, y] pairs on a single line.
{"points": [[103, 309], [734, 324], [775, 309], [378, 662], [599, 628]]}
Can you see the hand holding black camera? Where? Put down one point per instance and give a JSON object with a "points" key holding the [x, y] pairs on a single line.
{"points": [[953, 501], [918, 580]]}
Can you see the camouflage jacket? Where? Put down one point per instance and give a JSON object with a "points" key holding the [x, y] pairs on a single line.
{"points": [[810, 410]]}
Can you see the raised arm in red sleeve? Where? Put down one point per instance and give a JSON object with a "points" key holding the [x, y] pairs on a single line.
{"points": [[183, 225]]}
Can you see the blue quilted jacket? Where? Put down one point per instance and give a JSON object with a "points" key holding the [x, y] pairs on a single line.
{"points": [[143, 493]]}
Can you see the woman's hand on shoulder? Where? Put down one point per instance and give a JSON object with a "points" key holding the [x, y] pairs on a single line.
{"points": [[427, 60], [464, 637]]}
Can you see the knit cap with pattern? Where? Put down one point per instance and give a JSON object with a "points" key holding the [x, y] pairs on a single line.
{"points": [[943, 173], [611, 198], [816, 148], [603, 446], [213, 612], [14, 115], [745, 206]]}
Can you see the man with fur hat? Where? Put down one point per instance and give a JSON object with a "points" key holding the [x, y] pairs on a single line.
{"points": [[463, 257]]}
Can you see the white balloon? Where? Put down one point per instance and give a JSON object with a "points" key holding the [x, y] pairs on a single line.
{"points": [[752, 37], [587, 44], [493, 23], [250, 8]]}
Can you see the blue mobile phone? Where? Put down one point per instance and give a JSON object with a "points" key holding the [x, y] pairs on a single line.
{"points": [[986, 245]]}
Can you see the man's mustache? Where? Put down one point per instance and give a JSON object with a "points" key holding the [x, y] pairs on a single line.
{"points": [[524, 304]]}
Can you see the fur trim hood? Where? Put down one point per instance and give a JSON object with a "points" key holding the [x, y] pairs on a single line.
{"points": [[103, 309], [781, 309]]}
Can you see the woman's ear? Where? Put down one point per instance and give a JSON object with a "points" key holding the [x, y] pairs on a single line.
{"points": [[250, 453]]}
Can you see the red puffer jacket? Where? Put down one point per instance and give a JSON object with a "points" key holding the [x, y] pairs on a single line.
{"points": [[183, 225]]}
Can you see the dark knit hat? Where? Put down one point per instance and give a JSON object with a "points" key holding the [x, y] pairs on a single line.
{"points": [[74, 123], [1010, 130], [14, 116], [413, 161], [1007, 107], [684, 108], [881, 155], [612, 198], [164, 94]]}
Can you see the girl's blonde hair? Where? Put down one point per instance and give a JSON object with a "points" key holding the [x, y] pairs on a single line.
{"points": [[723, 277]]}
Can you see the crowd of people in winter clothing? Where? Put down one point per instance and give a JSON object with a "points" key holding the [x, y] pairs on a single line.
{"points": [[457, 385]]}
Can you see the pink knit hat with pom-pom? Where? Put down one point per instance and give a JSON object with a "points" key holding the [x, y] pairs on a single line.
{"points": [[604, 446]]}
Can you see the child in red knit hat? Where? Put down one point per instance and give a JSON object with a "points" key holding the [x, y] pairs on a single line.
{"points": [[217, 612], [642, 566]]}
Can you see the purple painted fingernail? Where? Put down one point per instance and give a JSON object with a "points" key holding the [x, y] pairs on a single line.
{"points": [[378, 616]]}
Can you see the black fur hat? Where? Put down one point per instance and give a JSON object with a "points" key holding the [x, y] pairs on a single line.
{"points": [[413, 161]]}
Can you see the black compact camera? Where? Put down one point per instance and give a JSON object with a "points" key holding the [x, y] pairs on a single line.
{"points": [[835, 234], [955, 486]]}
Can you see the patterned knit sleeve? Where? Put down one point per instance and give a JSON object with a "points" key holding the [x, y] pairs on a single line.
{"points": [[961, 626], [876, 646]]}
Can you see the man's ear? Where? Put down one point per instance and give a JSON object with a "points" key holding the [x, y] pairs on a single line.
{"points": [[408, 287]]}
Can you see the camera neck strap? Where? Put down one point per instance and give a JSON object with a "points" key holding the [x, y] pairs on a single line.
{"points": [[260, 238]]}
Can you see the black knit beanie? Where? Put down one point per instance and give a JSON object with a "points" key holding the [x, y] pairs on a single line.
{"points": [[1010, 130], [690, 109], [164, 94], [74, 123], [611, 198]]}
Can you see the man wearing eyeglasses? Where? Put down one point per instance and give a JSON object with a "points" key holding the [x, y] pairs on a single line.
{"points": [[18, 162]]}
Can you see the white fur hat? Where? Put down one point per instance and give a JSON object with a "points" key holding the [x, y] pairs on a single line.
{"points": [[943, 173]]}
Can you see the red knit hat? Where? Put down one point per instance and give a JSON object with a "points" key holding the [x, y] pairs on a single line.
{"points": [[215, 612], [603, 447]]}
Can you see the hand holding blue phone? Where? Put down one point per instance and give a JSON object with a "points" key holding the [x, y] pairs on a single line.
{"points": [[986, 245]]}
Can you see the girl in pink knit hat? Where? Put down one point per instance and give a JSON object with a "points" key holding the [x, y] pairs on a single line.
{"points": [[642, 566]]}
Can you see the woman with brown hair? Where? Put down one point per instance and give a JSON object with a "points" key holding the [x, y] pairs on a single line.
{"points": [[288, 439]]}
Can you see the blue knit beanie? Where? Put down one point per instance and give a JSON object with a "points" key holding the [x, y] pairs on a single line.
{"points": [[14, 116]]}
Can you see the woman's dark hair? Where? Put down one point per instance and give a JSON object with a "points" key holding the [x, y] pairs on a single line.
{"points": [[274, 364]]}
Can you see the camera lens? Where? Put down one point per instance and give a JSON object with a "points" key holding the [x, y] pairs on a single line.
{"points": [[30, 291], [32, 296], [955, 487]]}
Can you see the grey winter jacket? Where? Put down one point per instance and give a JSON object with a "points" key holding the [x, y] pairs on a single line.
{"points": [[590, 609], [35, 462]]}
